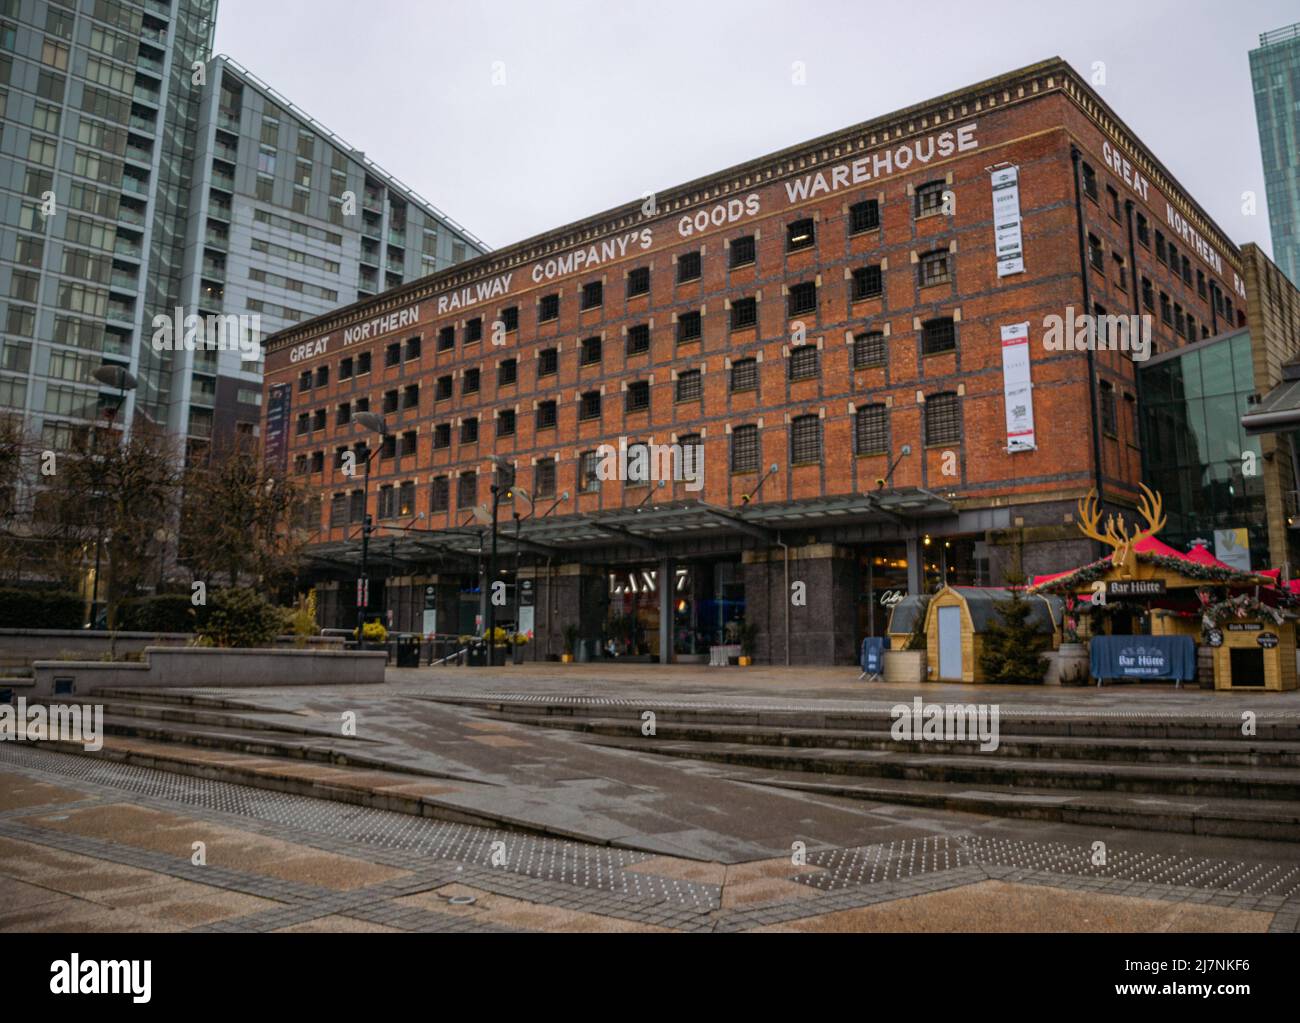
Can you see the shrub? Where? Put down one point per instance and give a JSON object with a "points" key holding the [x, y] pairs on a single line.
{"points": [[1013, 645], [240, 617], [167, 612], [41, 609], [373, 632]]}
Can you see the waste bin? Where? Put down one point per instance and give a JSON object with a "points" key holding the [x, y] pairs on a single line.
{"points": [[408, 650], [477, 656]]}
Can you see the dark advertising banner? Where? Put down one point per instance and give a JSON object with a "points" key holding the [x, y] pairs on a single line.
{"points": [[277, 425]]}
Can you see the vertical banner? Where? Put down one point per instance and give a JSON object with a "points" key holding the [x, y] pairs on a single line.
{"points": [[430, 622], [1232, 547], [1006, 221], [277, 426], [1017, 389]]}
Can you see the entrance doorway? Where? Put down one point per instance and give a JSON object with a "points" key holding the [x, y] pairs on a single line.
{"points": [[950, 663]]}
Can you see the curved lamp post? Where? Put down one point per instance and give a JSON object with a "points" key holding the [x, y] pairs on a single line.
{"points": [[120, 379], [374, 423]]}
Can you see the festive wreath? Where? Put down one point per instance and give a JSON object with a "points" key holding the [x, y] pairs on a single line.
{"points": [[1241, 606]]}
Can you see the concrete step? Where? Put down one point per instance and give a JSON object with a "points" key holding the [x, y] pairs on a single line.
{"points": [[323, 749], [181, 697], [988, 769], [1264, 820], [1214, 723], [120, 708], [1241, 751]]}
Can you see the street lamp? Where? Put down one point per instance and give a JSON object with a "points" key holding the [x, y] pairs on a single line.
{"points": [[118, 377], [374, 423], [503, 482], [516, 652]]}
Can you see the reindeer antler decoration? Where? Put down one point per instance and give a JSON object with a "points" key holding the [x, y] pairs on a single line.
{"points": [[1150, 507]]}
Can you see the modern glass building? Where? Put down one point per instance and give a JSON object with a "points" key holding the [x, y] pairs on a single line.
{"points": [[139, 176], [1275, 73], [1196, 453]]}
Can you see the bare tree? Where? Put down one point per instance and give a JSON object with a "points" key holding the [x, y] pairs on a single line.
{"points": [[111, 495], [238, 520]]}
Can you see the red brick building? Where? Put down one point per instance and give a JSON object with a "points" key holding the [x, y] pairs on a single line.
{"points": [[828, 322]]}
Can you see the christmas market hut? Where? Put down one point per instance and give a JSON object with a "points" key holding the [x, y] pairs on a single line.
{"points": [[960, 619], [1148, 611]]}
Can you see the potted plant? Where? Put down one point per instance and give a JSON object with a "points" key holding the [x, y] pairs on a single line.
{"points": [[570, 643], [910, 664], [747, 636], [1070, 661]]}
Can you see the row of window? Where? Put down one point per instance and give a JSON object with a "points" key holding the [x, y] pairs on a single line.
{"points": [[804, 363], [938, 335], [942, 415]]}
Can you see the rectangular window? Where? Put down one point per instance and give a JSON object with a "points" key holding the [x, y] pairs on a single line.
{"points": [[864, 216], [507, 373], [546, 415], [440, 494], [1089, 182], [410, 441], [412, 348], [805, 440], [1108, 417], [744, 375], [1113, 196], [548, 361], [868, 282], [472, 381], [933, 268], [638, 339], [690, 385], [871, 430], [688, 267], [474, 330], [469, 430], [390, 401], [638, 396], [506, 422], [939, 335], [744, 313], [869, 350], [467, 490], [744, 449], [510, 319], [393, 354], [441, 436], [446, 339], [593, 295], [1148, 294], [363, 363], [689, 327], [411, 396], [544, 478], [942, 419], [638, 281], [442, 388], [589, 405], [804, 362], [589, 353], [929, 198], [801, 234], [1143, 231], [548, 308], [742, 251], [802, 298], [345, 368], [1095, 254], [588, 480]]}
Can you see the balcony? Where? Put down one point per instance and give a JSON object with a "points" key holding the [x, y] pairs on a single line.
{"points": [[123, 312], [124, 282], [217, 238], [228, 119], [373, 200], [127, 249], [129, 215], [225, 182], [139, 154], [134, 185], [214, 269], [219, 209], [205, 362], [224, 152], [397, 238], [143, 95], [148, 65], [162, 10], [143, 124]]}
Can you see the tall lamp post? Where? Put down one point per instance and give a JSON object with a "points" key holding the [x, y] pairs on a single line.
{"points": [[118, 377], [374, 423]]}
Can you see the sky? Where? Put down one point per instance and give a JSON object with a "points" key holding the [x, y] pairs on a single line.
{"points": [[515, 117]]}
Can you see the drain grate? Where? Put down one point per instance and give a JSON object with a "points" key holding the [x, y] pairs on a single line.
{"points": [[909, 858], [562, 861]]}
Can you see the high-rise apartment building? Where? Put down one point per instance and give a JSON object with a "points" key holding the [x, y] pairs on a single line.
{"points": [[139, 176], [1275, 73]]}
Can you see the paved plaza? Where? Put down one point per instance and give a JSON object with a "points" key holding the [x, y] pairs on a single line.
{"points": [[454, 807]]}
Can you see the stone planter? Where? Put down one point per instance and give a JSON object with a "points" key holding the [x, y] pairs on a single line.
{"points": [[1067, 666], [905, 666]]}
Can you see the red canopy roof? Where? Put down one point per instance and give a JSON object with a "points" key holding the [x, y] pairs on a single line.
{"points": [[1201, 555]]}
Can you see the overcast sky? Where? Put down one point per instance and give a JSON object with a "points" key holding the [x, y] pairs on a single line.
{"points": [[604, 100]]}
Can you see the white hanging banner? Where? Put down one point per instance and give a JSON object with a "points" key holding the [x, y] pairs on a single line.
{"points": [[1017, 389], [1006, 221]]}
